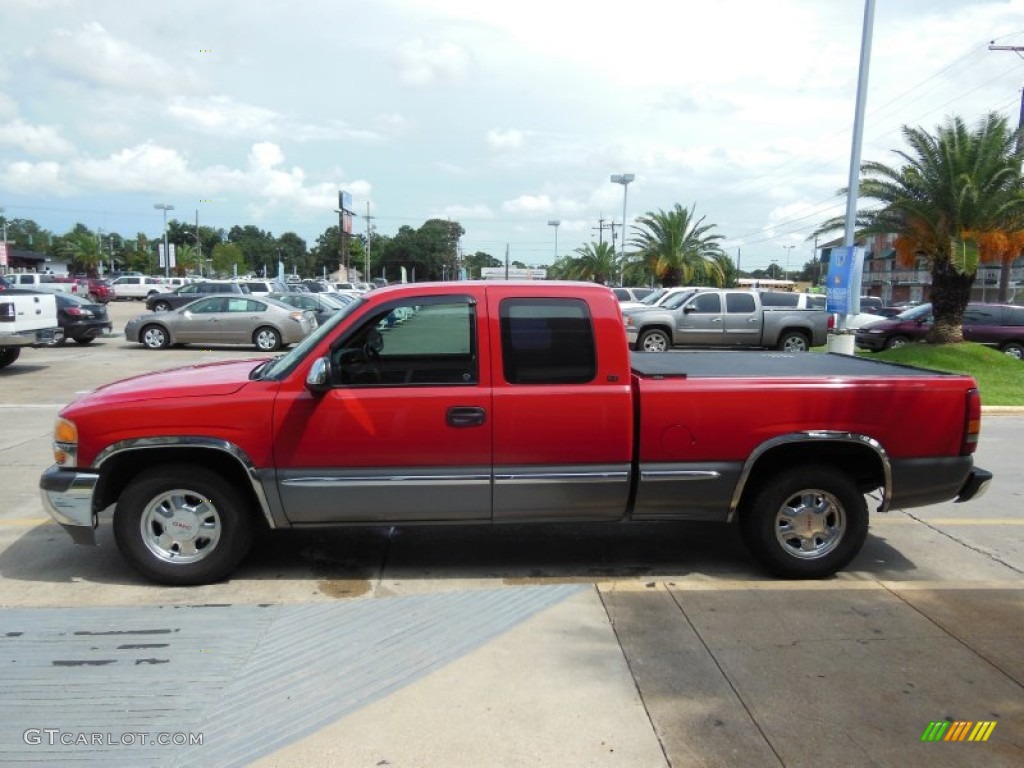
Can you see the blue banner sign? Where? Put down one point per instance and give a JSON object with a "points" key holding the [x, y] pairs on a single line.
{"points": [[842, 295]]}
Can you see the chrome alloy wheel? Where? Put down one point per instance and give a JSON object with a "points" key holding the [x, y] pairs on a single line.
{"points": [[180, 526], [810, 524]]}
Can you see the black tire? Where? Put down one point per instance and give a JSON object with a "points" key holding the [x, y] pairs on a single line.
{"points": [[266, 339], [794, 341], [806, 523], [896, 341], [85, 340], [8, 355], [154, 337], [654, 340], [1013, 349], [61, 341], [213, 527], [161, 306]]}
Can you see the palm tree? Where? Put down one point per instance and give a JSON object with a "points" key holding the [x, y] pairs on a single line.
{"points": [[957, 199], [595, 262], [84, 251], [680, 248]]}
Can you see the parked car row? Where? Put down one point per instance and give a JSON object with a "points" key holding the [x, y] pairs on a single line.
{"points": [[995, 325]]}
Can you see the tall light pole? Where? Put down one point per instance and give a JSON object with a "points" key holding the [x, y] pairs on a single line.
{"points": [[624, 179], [554, 223], [789, 250], [167, 254]]}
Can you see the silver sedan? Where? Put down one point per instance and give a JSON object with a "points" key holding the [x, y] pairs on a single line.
{"points": [[224, 319]]}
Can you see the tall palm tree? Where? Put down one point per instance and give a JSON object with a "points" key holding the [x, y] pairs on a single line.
{"points": [[958, 197], [596, 262], [680, 248], [84, 251]]}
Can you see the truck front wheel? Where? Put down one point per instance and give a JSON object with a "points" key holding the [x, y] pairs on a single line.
{"points": [[807, 523], [794, 341], [181, 525], [654, 340], [8, 355]]}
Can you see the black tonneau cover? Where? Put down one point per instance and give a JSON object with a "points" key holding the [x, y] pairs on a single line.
{"points": [[747, 364]]}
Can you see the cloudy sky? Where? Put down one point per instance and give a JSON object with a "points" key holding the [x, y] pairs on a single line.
{"points": [[500, 115]]}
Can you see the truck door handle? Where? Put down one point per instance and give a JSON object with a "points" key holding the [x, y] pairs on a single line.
{"points": [[466, 416]]}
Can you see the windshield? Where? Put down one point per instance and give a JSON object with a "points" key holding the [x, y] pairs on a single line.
{"points": [[652, 298], [676, 300], [281, 366], [920, 312]]}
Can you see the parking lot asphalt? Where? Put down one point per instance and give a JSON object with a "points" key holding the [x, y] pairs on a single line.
{"points": [[570, 645]]}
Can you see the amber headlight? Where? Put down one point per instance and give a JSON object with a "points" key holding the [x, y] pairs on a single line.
{"points": [[65, 443]]}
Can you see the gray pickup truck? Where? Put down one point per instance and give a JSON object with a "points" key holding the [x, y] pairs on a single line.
{"points": [[729, 318]]}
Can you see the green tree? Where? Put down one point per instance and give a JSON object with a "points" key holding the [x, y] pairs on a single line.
{"points": [[226, 257], [956, 198], [680, 249], [258, 247], [475, 262], [596, 262]]}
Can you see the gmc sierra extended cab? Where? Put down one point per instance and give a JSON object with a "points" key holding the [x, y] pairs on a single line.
{"points": [[468, 402], [27, 319], [728, 318]]}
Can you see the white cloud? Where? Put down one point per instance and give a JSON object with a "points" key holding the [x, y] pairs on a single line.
{"points": [[510, 139], [467, 212], [420, 64], [8, 106], [92, 54], [528, 204], [40, 140], [222, 115], [35, 179]]}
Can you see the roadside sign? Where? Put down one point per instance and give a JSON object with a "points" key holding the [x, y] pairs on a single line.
{"points": [[842, 294]]}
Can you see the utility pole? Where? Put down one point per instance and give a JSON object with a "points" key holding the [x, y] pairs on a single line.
{"points": [[369, 237], [601, 227], [199, 246]]}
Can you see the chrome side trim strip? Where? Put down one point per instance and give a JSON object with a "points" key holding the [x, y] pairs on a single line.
{"points": [[817, 436], [357, 482], [649, 475], [561, 477], [194, 441]]}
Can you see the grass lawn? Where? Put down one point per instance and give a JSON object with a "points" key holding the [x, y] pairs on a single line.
{"points": [[1000, 377]]}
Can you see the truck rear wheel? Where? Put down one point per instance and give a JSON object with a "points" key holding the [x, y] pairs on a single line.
{"points": [[654, 340], [794, 341], [182, 524], [8, 355], [807, 523]]}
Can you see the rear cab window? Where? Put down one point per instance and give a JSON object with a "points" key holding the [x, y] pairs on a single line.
{"points": [[547, 341]]}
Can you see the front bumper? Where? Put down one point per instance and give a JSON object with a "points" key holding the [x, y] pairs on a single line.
{"points": [[67, 498], [975, 485], [874, 343]]}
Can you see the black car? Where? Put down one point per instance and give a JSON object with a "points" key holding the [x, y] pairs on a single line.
{"points": [[81, 319], [165, 302]]}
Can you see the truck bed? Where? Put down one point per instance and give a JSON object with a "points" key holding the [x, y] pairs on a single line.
{"points": [[744, 364]]}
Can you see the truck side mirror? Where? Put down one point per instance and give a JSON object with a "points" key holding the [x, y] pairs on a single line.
{"points": [[318, 380]]}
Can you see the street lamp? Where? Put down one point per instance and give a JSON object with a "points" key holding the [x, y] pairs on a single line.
{"points": [[624, 179], [554, 223], [167, 254], [789, 249]]}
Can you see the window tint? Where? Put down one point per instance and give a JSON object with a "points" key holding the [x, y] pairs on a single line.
{"points": [[431, 342], [547, 341], [707, 302], [1013, 315], [676, 300], [816, 302], [205, 306], [621, 294], [779, 299], [740, 303], [976, 315]]}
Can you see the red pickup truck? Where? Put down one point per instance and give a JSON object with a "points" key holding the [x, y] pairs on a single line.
{"points": [[500, 403]]}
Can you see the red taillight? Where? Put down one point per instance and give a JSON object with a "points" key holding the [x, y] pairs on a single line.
{"points": [[831, 321], [972, 423]]}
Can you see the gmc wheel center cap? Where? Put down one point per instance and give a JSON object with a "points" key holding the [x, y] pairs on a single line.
{"points": [[183, 526]]}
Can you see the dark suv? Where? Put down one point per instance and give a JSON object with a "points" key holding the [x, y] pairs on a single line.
{"points": [[164, 302], [997, 325]]}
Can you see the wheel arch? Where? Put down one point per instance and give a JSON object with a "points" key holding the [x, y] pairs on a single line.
{"points": [[119, 463], [658, 326], [861, 456]]}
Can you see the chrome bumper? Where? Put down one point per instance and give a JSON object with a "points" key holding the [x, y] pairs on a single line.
{"points": [[67, 497]]}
